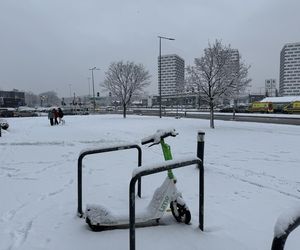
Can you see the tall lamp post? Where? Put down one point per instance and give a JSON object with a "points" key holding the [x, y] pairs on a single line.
{"points": [[70, 90], [89, 86], [159, 70], [94, 102]]}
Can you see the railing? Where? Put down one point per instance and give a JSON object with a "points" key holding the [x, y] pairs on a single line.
{"points": [[98, 151], [156, 169], [279, 242]]}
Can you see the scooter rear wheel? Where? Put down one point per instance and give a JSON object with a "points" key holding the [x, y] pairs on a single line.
{"points": [[180, 213]]}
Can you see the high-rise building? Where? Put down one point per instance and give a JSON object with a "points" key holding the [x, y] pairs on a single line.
{"points": [[234, 57], [234, 60], [289, 79], [172, 74]]}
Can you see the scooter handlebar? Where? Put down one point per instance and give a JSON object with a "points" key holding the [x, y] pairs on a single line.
{"points": [[158, 136]]}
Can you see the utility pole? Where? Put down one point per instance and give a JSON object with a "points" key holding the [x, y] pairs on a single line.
{"points": [[94, 101]]}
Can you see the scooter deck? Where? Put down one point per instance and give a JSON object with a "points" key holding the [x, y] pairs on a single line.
{"points": [[103, 227]]}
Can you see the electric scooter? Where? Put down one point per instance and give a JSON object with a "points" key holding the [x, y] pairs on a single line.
{"points": [[100, 218]]}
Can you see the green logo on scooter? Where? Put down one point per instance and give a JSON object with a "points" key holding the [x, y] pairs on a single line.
{"points": [[164, 204]]}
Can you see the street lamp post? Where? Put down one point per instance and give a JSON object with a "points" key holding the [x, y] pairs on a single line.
{"points": [[159, 70], [70, 90], [89, 86], [94, 102]]}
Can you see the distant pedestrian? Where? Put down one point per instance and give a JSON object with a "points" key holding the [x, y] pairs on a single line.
{"points": [[60, 116], [55, 112], [51, 116]]}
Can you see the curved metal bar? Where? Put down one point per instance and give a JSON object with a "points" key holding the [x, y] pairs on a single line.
{"points": [[279, 242], [159, 168], [97, 151]]}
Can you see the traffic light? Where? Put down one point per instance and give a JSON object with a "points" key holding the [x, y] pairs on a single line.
{"points": [[98, 94]]}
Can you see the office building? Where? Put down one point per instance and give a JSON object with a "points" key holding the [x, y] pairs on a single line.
{"points": [[12, 99], [289, 78], [172, 74]]}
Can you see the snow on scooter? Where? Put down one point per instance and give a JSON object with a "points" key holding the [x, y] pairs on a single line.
{"points": [[100, 218]]}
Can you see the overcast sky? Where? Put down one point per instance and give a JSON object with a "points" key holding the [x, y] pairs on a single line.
{"points": [[51, 44]]}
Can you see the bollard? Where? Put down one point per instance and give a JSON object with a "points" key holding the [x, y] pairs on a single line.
{"points": [[200, 145], [200, 155]]}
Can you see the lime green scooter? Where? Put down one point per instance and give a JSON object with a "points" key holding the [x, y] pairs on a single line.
{"points": [[100, 218]]}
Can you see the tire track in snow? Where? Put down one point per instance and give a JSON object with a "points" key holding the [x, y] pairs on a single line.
{"points": [[57, 191], [59, 143], [19, 236], [8, 171], [8, 216], [53, 164], [25, 173], [218, 171], [53, 143]]}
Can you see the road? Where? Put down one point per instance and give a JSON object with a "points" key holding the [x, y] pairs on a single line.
{"points": [[244, 117]]}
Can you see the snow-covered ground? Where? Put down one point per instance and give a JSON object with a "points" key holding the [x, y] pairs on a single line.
{"points": [[251, 177]]}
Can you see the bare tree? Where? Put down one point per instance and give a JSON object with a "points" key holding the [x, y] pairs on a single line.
{"points": [[123, 80], [31, 99], [51, 98], [217, 74]]}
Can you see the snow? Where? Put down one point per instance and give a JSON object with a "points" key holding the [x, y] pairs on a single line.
{"points": [[99, 214], [140, 169], [111, 145], [251, 177], [25, 108], [281, 99], [160, 133]]}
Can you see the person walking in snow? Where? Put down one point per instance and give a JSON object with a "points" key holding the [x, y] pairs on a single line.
{"points": [[60, 115], [55, 116], [51, 116]]}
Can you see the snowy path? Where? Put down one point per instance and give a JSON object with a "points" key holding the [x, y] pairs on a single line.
{"points": [[251, 176]]}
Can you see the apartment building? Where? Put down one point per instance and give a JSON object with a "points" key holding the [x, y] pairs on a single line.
{"points": [[172, 74], [289, 78]]}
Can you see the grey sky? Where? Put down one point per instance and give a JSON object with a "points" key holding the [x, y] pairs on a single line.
{"points": [[50, 44]]}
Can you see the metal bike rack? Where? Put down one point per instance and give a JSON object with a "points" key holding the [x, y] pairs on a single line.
{"points": [[279, 242], [98, 151], [160, 168]]}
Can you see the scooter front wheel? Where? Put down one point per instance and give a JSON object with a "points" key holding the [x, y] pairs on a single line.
{"points": [[180, 212]]}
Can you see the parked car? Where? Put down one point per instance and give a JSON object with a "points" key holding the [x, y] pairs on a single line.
{"points": [[109, 108], [6, 112], [25, 113], [238, 109], [227, 109]]}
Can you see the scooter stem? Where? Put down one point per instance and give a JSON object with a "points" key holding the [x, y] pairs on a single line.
{"points": [[167, 155]]}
